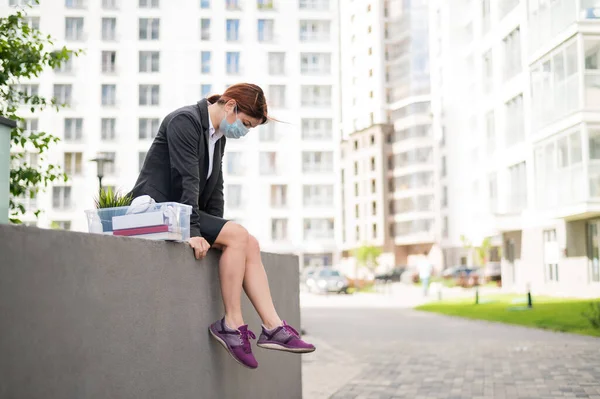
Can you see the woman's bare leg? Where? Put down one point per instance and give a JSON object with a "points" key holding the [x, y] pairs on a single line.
{"points": [[234, 239], [256, 286]]}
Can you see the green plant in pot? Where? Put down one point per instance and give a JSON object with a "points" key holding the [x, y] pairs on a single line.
{"points": [[111, 199]]}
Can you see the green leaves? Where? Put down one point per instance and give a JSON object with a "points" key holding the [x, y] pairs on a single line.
{"points": [[367, 255], [24, 54], [110, 199]]}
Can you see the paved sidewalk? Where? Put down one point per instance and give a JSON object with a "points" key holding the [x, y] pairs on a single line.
{"points": [[384, 352]]}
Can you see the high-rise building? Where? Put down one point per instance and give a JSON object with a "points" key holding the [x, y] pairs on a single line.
{"points": [[389, 154], [145, 58], [514, 87]]}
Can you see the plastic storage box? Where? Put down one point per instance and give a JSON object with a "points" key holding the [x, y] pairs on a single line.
{"points": [[169, 221]]}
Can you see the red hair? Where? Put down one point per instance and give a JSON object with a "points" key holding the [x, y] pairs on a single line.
{"points": [[250, 100]]}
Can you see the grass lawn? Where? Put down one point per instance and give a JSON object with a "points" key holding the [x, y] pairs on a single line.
{"points": [[556, 314]]}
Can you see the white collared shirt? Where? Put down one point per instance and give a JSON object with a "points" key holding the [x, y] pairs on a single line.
{"points": [[214, 136]]}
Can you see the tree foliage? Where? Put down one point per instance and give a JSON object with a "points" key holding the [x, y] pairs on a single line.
{"points": [[25, 53]]}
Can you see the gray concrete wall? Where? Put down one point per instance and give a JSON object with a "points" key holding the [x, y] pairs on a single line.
{"points": [[90, 316]]}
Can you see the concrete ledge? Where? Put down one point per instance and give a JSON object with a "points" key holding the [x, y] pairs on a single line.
{"points": [[89, 316]]}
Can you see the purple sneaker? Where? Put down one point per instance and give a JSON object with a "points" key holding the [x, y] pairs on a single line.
{"points": [[237, 342], [284, 338]]}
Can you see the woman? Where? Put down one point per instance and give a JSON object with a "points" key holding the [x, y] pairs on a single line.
{"points": [[184, 164]]}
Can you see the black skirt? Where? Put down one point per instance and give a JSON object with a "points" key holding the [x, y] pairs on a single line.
{"points": [[210, 226]]}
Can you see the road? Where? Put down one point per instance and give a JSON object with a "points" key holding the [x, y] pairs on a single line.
{"points": [[380, 348]]}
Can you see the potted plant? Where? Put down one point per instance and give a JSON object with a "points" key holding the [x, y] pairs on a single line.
{"points": [[108, 199]]}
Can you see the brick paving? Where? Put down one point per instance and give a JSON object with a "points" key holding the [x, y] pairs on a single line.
{"points": [[399, 353]]}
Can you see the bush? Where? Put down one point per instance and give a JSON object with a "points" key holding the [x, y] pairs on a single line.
{"points": [[593, 315]]}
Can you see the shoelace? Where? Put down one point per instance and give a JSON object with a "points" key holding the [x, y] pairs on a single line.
{"points": [[290, 330], [246, 335]]}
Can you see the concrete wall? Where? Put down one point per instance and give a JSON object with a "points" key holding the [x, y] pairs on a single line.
{"points": [[89, 316]]}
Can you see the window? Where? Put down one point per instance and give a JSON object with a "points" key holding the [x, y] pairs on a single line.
{"points": [[507, 6], [374, 231], [205, 90], [109, 28], [74, 28], [66, 66], [74, 3], [317, 129], [234, 196], [204, 4], [276, 63], [594, 250], [488, 72], [551, 255], [279, 195], [73, 129], [444, 197], [443, 167], [109, 4], [277, 96], [315, 63], [493, 192], [316, 96], [72, 163], [60, 225], [141, 159], [486, 20], [317, 161], [233, 62], [357, 211], [374, 208], [22, 3], [268, 132], [372, 139], [148, 128], [235, 163], [149, 28], [233, 30], [512, 54], [357, 233], [63, 94], [29, 126], [490, 132], [61, 197], [373, 186], [149, 4], [356, 190], [264, 4], [205, 61], [26, 90], [266, 30], [232, 4], [445, 227], [149, 94], [33, 22], [515, 123], [372, 163], [268, 163], [355, 168], [518, 187], [317, 195], [109, 95], [205, 29], [315, 31], [110, 167], [318, 229], [107, 130], [279, 229], [109, 61], [320, 5], [149, 61]]}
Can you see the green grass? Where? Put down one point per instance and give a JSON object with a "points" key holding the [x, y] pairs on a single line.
{"points": [[557, 314]]}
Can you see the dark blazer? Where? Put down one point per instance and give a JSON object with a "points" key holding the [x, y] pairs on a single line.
{"points": [[177, 163]]}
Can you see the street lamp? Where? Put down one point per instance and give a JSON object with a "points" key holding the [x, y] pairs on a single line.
{"points": [[101, 160]]}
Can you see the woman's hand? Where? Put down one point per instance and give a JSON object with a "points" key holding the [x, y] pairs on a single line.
{"points": [[200, 246]]}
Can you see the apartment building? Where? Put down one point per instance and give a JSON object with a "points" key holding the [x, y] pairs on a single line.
{"points": [[389, 150], [514, 97]]}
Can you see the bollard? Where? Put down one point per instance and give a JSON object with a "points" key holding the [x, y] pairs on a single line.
{"points": [[529, 302], [477, 296], [6, 126]]}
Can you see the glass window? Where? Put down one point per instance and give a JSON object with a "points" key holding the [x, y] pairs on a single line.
{"points": [[563, 152], [594, 135], [575, 148]]}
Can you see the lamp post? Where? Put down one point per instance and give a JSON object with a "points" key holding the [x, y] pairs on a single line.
{"points": [[101, 160]]}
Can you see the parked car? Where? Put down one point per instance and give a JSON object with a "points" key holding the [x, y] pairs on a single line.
{"points": [[325, 280], [458, 271], [393, 275]]}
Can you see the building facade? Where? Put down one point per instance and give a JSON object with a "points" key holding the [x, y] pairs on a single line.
{"points": [[386, 111], [517, 109], [145, 58]]}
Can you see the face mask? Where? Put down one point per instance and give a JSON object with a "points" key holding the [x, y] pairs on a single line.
{"points": [[233, 130]]}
